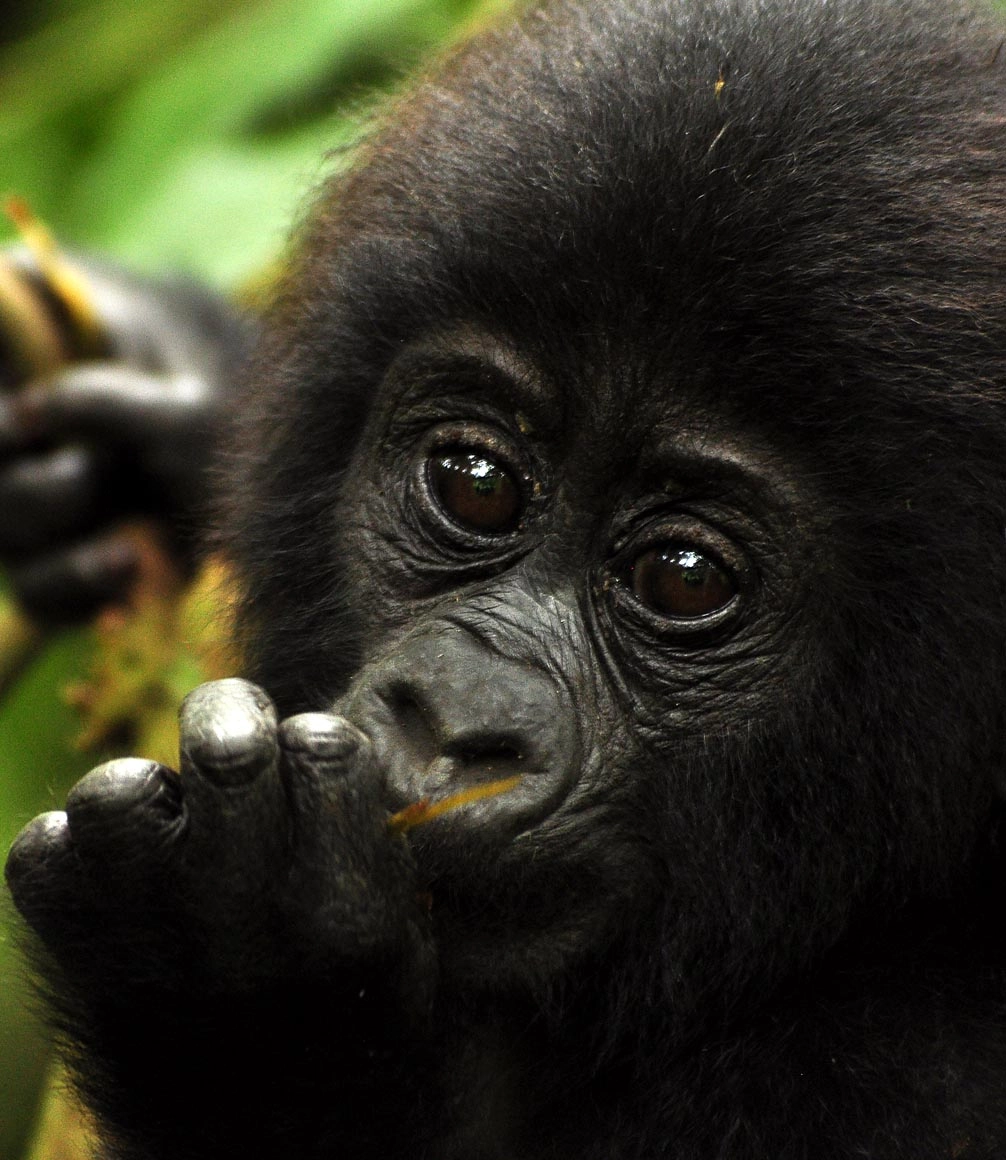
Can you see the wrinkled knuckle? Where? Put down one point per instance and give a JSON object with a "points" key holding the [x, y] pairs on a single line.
{"points": [[229, 730], [122, 800], [323, 735], [116, 785], [35, 847]]}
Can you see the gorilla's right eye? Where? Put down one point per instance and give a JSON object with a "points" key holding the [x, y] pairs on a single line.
{"points": [[475, 491]]}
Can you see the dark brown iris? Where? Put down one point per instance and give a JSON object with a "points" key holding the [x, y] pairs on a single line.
{"points": [[476, 491], [680, 582]]}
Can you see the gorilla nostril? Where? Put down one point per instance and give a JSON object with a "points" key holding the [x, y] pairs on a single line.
{"points": [[415, 726], [438, 753], [490, 754]]}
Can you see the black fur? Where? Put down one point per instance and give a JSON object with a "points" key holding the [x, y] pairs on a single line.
{"points": [[717, 272]]}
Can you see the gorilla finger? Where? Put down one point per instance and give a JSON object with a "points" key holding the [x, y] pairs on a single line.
{"points": [[237, 813], [327, 761], [41, 867], [44, 498], [69, 587], [111, 402], [228, 732], [126, 815]]}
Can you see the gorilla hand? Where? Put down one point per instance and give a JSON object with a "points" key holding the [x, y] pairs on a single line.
{"points": [[249, 918], [97, 441]]}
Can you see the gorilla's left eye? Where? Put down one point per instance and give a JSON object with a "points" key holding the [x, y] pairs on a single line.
{"points": [[476, 491], [678, 581]]}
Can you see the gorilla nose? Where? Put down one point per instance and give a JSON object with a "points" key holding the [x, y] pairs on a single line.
{"points": [[447, 713]]}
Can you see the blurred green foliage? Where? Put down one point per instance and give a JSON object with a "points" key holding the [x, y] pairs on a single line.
{"points": [[183, 132], [179, 134]]}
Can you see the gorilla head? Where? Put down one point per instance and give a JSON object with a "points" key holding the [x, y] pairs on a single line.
{"points": [[633, 418], [631, 422]]}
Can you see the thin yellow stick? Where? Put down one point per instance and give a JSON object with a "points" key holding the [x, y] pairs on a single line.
{"points": [[423, 811]]}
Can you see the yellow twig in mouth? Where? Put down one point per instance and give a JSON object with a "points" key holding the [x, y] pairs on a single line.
{"points": [[423, 811]]}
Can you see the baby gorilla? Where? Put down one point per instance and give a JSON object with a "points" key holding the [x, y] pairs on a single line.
{"points": [[629, 435]]}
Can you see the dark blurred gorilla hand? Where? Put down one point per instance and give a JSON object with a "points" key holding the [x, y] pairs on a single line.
{"points": [[99, 441]]}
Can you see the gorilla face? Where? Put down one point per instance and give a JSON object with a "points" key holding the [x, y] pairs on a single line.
{"points": [[650, 585], [538, 596]]}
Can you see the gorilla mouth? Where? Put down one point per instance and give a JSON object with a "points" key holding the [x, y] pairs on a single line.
{"points": [[424, 810]]}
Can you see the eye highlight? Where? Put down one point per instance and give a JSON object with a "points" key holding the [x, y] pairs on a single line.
{"points": [[677, 581], [475, 491]]}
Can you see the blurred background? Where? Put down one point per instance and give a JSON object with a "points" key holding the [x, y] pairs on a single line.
{"points": [[176, 135]]}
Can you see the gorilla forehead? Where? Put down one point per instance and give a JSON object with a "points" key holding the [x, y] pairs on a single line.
{"points": [[758, 212]]}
